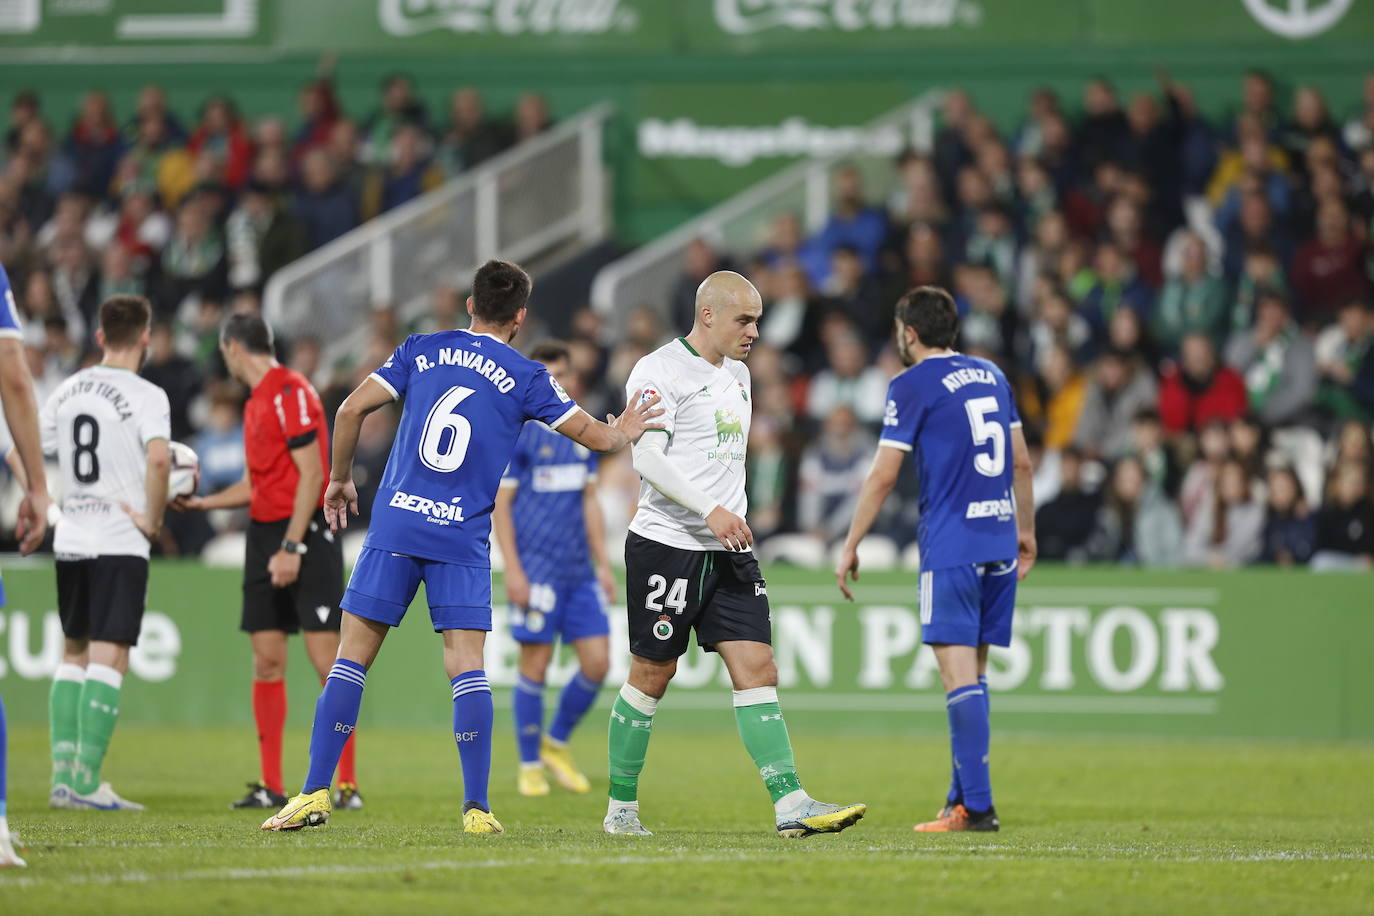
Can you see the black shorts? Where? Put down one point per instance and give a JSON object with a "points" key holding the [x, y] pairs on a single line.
{"points": [[671, 591], [102, 598], [309, 603]]}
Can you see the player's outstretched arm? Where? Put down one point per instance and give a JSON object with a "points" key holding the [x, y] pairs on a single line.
{"points": [[21, 412], [341, 497], [616, 432], [237, 494], [1021, 473], [882, 477]]}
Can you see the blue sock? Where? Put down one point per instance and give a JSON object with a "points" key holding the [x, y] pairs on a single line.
{"points": [[528, 707], [577, 697], [968, 735], [956, 791], [4, 750], [336, 715], [472, 717]]}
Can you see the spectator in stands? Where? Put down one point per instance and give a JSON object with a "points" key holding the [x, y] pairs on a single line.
{"points": [[1329, 270], [319, 110], [699, 261], [221, 132], [849, 379], [176, 375], [1126, 229], [1252, 226], [1197, 389], [855, 293], [951, 151], [323, 205], [1261, 274], [1311, 120], [918, 199], [1055, 401], [117, 274], [1055, 324], [1103, 132], [1121, 387], [399, 106], [531, 116], [262, 236], [1359, 127], [343, 148], [94, 145], [156, 159], [1340, 352], [926, 264], [194, 262], [1226, 531], [832, 470], [1277, 362], [793, 316], [408, 173], [42, 175], [1249, 444], [471, 137], [1036, 194], [1345, 522], [1254, 155], [1290, 530], [1064, 526], [1137, 525], [76, 284], [1192, 301], [852, 222], [152, 105], [1199, 481], [220, 444], [1114, 286], [768, 478], [993, 244], [24, 108], [989, 323]]}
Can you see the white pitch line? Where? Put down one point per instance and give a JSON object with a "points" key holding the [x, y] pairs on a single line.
{"points": [[981, 852]]}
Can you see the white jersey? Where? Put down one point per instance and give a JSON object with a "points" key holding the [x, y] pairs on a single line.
{"points": [[706, 414], [98, 423]]}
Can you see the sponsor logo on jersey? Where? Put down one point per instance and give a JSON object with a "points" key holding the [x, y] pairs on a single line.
{"points": [[890, 413], [728, 427], [647, 394], [989, 508], [760, 588], [436, 512], [558, 390], [559, 478]]}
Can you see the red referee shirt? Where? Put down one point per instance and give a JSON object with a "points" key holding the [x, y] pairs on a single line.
{"points": [[282, 413]]}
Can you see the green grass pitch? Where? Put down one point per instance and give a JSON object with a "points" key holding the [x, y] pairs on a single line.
{"points": [[1097, 826]]}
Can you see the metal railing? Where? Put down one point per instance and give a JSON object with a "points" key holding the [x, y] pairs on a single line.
{"points": [[646, 276], [546, 193]]}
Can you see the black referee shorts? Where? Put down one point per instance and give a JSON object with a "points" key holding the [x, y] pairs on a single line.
{"points": [[670, 592], [309, 603]]}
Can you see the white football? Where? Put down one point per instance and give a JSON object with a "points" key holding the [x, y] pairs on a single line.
{"points": [[184, 477]]}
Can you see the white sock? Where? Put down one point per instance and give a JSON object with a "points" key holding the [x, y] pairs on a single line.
{"points": [[791, 802], [4, 826], [613, 806]]}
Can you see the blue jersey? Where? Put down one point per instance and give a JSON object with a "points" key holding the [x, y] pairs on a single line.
{"points": [[955, 415], [550, 473], [9, 311], [466, 397]]}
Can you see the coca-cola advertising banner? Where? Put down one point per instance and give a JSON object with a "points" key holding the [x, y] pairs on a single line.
{"points": [[639, 27]]}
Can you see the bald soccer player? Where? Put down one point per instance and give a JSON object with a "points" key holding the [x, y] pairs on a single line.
{"points": [[688, 563]]}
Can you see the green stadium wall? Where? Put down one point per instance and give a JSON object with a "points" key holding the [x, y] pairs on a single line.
{"points": [[1256, 654], [716, 63]]}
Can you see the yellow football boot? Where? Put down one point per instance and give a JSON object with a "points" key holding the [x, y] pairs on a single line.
{"points": [[475, 820], [304, 810], [533, 783], [559, 760]]}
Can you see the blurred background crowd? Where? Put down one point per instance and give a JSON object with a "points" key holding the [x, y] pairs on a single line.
{"points": [[1183, 303]]}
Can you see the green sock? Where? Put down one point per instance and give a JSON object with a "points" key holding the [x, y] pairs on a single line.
{"points": [[99, 712], [64, 702], [764, 733], [632, 721]]}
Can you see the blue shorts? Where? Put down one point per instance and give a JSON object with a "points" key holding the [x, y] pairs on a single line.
{"points": [[384, 583], [571, 611], [968, 605]]}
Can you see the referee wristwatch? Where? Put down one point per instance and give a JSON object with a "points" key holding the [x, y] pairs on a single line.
{"points": [[295, 547]]}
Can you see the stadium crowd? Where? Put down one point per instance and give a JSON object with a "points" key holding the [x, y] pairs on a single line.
{"points": [[1183, 303]]}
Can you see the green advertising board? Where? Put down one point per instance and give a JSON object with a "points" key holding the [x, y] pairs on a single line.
{"points": [[1263, 654]]}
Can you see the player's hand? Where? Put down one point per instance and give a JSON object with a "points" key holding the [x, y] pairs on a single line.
{"points": [[189, 504], [731, 530], [635, 420], [847, 567], [340, 498], [284, 568], [517, 588], [607, 580], [33, 521], [1025, 554], [141, 522]]}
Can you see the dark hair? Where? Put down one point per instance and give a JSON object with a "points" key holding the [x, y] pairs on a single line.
{"points": [[123, 319], [930, 310], [549, 351], [500, 289], [248, 329]]}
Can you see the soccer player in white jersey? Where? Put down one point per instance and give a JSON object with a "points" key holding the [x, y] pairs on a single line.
{"points": [[688, 563], [109, 430]]}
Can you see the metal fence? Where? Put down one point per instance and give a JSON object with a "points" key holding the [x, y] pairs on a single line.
{"points": [[544, 194], [647, 275]]}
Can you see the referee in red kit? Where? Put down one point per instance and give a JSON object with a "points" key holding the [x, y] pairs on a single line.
{"points": [[293, 565]]}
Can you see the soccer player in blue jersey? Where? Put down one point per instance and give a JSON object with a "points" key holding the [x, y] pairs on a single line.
{"points": [[466, 394], [558, 580], [956, 417], [21, 414]]}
